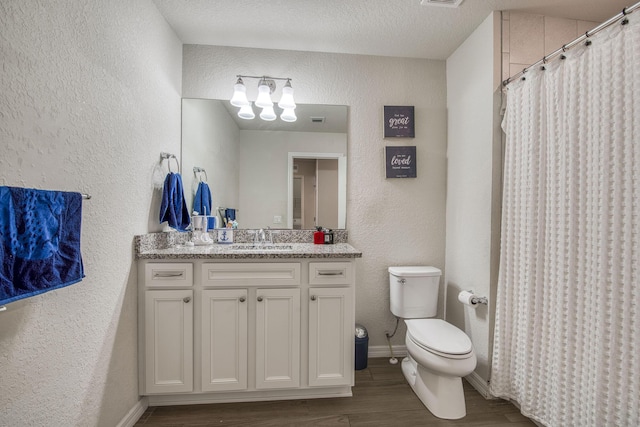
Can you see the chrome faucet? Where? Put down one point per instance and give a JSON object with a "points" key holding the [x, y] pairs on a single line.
{"points": [[259, 237]]}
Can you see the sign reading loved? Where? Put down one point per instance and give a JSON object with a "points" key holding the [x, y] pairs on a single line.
{"points": [[401, 162]]}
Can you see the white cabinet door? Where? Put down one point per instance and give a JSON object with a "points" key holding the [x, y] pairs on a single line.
{"points": [[224, 339], [277, 338], [331, 339], [168, 341]]}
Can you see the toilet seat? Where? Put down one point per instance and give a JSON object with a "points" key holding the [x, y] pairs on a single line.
{"points": [[439, 337]]}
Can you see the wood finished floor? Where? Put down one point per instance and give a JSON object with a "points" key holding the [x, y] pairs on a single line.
{"points": [[381, 397]]}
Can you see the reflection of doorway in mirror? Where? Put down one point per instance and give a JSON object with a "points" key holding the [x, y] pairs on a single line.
{"points": [[307, 173], [298, 202], [327, 193], [325, 177], [318, 181]]}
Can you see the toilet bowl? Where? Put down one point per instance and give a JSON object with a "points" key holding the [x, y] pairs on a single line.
{"points": [[439, 356], [439, 353]]}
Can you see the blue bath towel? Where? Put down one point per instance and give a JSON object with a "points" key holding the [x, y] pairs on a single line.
{"points": [[202, 203], [40, 236], [173, 207]]}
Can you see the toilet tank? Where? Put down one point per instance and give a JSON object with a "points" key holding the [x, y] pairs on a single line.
{"points": [[414, 291]]}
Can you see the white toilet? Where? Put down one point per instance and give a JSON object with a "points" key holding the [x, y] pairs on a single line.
{"points": [[439, 353]]}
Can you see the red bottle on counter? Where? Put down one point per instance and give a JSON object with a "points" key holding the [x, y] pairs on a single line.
{"points": [[318, 236]]}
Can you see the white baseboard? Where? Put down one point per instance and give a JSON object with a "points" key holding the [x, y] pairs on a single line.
{"points": [[383, 351], [134, 414]]}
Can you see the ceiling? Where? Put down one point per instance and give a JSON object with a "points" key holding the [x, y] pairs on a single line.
{"points": [[398, 28]]}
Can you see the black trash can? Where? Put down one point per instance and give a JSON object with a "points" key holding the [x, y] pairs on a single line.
{"points": [[362, 347]]}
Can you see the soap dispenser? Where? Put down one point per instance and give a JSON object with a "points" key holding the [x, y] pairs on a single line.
{"points": [[318, 236], [328, 237]]}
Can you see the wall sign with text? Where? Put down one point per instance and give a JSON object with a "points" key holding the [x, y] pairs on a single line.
{"points": [[398, 122], [401, 162]]}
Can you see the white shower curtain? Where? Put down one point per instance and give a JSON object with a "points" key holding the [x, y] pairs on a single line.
{"points": [[567, 333]]}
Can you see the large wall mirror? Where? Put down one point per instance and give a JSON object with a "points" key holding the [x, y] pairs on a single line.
{"points": [[274, 174]]}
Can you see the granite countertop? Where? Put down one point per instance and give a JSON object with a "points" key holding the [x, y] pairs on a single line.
{"points": [[250, 251]]}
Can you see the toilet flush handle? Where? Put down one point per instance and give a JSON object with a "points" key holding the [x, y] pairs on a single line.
{"points": [[402, 281]]}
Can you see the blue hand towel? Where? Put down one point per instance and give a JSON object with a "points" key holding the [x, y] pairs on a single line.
{"points": [[40, 235], [173, 207], [202, 203]]}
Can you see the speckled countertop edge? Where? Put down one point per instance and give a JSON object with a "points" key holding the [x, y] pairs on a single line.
{"points": [[172, 246]]}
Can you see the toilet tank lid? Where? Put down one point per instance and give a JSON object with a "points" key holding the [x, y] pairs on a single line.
{"points": [[415, 271]]}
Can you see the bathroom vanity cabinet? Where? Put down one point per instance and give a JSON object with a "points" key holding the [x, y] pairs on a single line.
{"points": [[241, 329]]}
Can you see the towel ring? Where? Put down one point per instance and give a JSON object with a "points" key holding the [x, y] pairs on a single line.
{"points": [[197, 170], [169, 163], [168, 157]]}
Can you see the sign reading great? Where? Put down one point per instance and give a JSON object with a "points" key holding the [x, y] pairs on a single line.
{"points": [[401, 162], [399, 121]]}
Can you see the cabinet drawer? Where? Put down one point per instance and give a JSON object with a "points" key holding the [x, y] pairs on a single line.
{"points": [[168, 275], [330, 273], [248, 274]]}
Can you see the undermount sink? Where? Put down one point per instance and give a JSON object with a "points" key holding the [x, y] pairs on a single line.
{"points": [[260, 247]]}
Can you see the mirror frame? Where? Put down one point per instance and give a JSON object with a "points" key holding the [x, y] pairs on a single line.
{"points": [[342, 184]]}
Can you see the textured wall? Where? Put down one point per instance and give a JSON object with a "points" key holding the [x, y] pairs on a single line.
{"points": [[89, 96], [393, 221], [470, 182]]}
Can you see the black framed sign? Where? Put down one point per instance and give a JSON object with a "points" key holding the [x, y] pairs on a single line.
{"points": [[401, 162], [398, 122]]}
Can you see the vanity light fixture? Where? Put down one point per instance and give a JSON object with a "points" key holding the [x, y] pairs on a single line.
{"points": [[246, 112], [288, 115], [286, 101], [264, 95], [239, 98], [268, 114], [266, 87]]}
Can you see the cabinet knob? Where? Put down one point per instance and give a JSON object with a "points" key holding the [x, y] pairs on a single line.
{"points": [[313, 297], [242, 299], [186, 299], [259, 298]]}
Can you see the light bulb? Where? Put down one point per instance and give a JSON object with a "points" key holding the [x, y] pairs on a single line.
{"points": [[288, 115], [268, 114], [246, 112], [264, 95], [239, 98], [287, 102]]}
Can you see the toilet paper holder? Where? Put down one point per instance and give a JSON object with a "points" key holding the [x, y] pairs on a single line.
{"points": [[478, 300]]}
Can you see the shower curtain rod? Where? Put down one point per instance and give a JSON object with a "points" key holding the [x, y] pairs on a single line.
{"points": [[564, 48]]}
